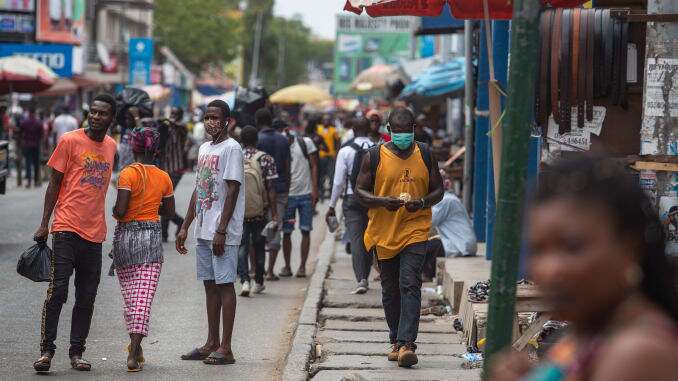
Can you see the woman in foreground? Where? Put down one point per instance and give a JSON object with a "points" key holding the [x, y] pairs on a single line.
{"points": [[143, 192], [597, 253]]}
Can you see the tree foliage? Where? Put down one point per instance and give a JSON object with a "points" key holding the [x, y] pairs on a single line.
{"points": [[287, 47], [200, 32]]}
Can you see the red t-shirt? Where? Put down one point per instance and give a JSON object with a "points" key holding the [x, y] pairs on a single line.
{"points": [[86, 165]]}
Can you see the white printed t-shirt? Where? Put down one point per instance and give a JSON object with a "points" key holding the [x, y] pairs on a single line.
{"points": [[300, 170], [216, 163]]}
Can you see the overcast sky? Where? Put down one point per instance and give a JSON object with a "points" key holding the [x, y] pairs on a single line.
{"points": [[319, 15]]}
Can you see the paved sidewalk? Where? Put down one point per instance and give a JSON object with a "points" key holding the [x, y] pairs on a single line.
{"points": [[352, 339]]}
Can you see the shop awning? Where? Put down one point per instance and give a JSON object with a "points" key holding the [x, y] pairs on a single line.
{"points": [[443, 24]]}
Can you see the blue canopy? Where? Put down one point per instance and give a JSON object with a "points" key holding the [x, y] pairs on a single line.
{"points": [[443, 24], [438, 80]]}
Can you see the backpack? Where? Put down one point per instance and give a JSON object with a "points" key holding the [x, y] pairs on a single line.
{"points": [[255, 197], [357, 162], [375, 157]]}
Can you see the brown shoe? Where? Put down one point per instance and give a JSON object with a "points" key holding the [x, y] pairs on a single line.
{"points": [[393, 354], [406, 355]]}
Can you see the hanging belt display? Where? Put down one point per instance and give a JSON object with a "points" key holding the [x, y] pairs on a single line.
{"points": [[583, 56]]}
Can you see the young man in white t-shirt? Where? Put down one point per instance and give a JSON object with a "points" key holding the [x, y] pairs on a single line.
{"points": [[302, 197], [218, 204]]}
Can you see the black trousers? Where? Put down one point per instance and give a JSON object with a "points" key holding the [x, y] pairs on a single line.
{"points": [[32, 157], [401, 292], [434, 249], [176, 219], [71, 252], [251, 237]]}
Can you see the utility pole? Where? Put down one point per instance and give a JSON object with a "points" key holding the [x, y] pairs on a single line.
{"points": [[254, 74], [659, 131], [282, 51], [515, 148]]}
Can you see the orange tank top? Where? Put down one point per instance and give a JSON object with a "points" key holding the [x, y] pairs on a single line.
{"points": [[390, 232]]}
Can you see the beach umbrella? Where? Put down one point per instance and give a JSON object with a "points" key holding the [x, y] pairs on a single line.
{"points": [[22, 74], [300, 94]]}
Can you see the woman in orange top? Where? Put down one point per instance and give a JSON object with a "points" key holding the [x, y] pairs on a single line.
{"points": [[143, 192]]}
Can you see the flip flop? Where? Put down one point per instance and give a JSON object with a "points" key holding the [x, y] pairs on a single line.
{"points": [[80, 365], [272, 278], [285, 272], [301, 274], [195, 355], [216, 358], [43, 364]]}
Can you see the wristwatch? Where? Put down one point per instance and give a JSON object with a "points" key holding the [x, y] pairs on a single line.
{"points": [[220, 232], [423, 203]]}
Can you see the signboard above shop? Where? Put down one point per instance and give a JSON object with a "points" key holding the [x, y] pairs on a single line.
{"points": [[17, 5], [59, 57], [60, 21], [140, 61], [349, 23]]}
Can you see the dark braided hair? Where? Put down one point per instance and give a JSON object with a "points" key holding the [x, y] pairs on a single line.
{"points": [[606, 183]]}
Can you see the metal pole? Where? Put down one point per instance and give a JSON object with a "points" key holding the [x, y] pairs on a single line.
{"points": [[480, 152], [254, 74], [500, 51], [516, 125], [468, 116]]}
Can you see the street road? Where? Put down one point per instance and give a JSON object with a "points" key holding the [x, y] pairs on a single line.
{"points": [[261, 338]]}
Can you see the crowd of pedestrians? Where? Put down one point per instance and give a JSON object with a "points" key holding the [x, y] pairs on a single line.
{"points": [[254, 185]]}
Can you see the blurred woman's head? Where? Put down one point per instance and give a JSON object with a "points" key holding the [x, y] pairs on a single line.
{"points": [[311, 126], [595, 239]]}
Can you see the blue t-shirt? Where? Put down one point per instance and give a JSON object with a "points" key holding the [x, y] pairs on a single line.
{"points": [[276, 144]]}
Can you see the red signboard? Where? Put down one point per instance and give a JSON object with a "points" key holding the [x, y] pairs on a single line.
{"points": [[60, 21]]}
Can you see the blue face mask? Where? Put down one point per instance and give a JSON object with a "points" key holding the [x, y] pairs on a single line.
{"points": [[402, 140]]}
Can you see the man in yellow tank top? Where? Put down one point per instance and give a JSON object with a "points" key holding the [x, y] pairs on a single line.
{"points": [[399, 182]]}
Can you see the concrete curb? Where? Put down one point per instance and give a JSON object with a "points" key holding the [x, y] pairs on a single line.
{"points": [[296, 364]]}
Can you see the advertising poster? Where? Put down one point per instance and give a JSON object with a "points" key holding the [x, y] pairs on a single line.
{"points": [[60, 21], [59, 57], [140, 61], [17, 5], [668, 213]]}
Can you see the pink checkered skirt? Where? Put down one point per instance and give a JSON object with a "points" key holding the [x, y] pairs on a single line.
{"points": [[138, 284]]}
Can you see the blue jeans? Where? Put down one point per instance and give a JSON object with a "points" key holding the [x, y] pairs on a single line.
{"points": [[251, 237], [401, 292], [305, 206]]}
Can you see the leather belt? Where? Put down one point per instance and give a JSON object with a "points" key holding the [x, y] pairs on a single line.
{"points": [[581, 80], [590, 70], [598, 53], [616, 57], [555, 62], [608, 43], [576, 43], [543, 106], [623, 64], [565, 71]]}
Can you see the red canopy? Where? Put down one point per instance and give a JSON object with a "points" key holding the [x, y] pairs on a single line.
{"points": [[461, 9]]}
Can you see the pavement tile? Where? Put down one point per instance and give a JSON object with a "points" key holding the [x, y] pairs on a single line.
{"points": [[438, 326], [380, 349], [339, 362], [400, 374], [325, 335]]}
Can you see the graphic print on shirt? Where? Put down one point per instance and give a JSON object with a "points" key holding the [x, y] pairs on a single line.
{"points": [[208, 170], [95, 167], [406, 177]]}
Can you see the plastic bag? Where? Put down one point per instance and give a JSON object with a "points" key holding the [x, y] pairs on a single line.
{"points": [[35, 263], [131, 96]]}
